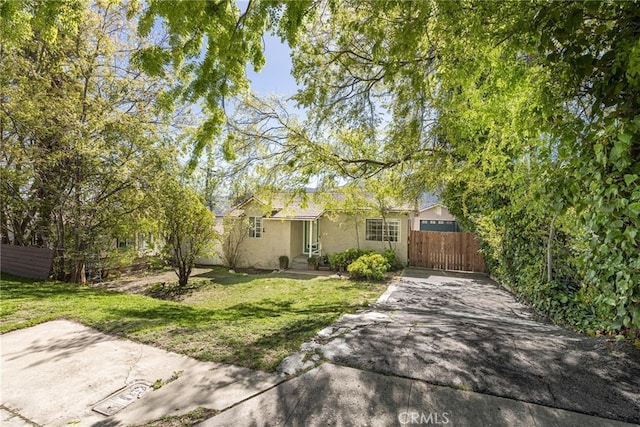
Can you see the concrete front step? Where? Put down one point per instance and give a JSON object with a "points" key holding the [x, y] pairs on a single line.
{"points": [[299, 263]]}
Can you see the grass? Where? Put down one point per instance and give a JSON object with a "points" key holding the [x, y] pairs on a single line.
{"points": [[192, 418], [253, 321]]}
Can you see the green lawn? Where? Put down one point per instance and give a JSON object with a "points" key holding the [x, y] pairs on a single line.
{"points": [[253, 321]]}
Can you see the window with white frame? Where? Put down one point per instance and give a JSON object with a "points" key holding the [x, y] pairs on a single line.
{"points": [[383, 231], [255, 226]]}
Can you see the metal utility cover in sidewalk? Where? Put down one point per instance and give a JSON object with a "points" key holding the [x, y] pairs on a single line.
{"points": [[123, 398]]}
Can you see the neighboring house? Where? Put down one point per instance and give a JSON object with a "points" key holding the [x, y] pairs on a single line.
{"points": [[140, 242], [435, 218], [295, 228]]}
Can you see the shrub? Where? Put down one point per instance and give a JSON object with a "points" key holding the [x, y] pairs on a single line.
{"points": [[120, 257], [156, 262], [343, 259], [394, 264], [371, 266], [284, 262]]}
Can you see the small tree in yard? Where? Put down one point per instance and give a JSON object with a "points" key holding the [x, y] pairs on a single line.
{"points": [[188, 228], [236, 231]]}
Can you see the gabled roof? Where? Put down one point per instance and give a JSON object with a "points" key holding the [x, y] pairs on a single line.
{"points": [[428, 200], [296, 211], [426, 208], [301, 208]]}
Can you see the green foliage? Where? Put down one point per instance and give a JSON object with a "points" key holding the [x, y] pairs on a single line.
{"points": [[156, 262], [21, 19], [568, 201], [526, 115], [341, 260], [210, 46], [187, 226], [392, 260], [120, 257], [370, 266], [82, 130]]}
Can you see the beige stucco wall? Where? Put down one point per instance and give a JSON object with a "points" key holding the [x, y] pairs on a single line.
{"points": [[338, 233], [263, 252], [435, 213], [259, 252], [213, 255]]}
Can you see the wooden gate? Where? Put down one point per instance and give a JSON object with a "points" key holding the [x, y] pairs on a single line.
{"points": [[445, 251]]}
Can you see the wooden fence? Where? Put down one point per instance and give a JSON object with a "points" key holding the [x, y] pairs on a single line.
{"points": [[26, 261], [445, 251]]}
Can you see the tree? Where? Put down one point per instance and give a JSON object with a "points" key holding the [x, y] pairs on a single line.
{"points": [[526, 114], [81, 129], [236, 231], [187, 227], [210, 46], [521, 112]]}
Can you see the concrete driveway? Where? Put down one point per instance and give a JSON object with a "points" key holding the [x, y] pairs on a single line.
{"points": [[465, 332]]}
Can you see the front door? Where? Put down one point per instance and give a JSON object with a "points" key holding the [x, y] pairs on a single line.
{"points": [[310, 241]]}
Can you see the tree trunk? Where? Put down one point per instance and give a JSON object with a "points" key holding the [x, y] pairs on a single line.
{"points": [[78, 271], [385, 228], [78, 256], [183, 279], [552, 233], [357, 233], [3, 227], [59, 262], [184, 271]]}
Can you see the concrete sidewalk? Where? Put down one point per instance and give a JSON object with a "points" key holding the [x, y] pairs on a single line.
{"points": [[53, 374], [342, 396]]}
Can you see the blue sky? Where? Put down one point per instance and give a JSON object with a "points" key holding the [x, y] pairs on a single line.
{"points": [[275, 77]]}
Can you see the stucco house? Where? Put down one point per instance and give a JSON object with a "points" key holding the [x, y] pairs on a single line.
{"points": [[435, 217], [303, 227]]}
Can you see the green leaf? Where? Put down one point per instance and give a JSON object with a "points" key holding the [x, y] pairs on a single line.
{"points": [[635, 208], [636, 317], [616, 325], [628, 179], [228, 149], [625, 138]]}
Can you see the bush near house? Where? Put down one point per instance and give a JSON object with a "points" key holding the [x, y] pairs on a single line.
{"points": [[392, 260], [370, 266], [341, 260], [344, 259]]}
